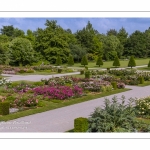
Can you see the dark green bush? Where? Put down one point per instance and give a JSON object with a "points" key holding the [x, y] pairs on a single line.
{"points": [[38, 83], [149, 64], [87, 74], [81, 71], [80, 124], [141, 80], [30, 71], [4, 108], [59, 70], [22, 71], [108, 69], [114, 84]]}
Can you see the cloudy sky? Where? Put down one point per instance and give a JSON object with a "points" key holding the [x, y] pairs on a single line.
{"points": [[100, 24]]}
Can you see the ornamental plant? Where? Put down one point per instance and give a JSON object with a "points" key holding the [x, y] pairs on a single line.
{"points": [[116, 62], [148, 64], [58, 92], [115, 116], [99, 61], [131, 62], [84, 60], [70, 60], [143, 106]]}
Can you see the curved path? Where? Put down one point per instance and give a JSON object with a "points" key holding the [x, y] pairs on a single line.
{"points": [[62, 119]]}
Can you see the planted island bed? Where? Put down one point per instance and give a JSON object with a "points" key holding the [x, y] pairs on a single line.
{"points": [[34, 97]]}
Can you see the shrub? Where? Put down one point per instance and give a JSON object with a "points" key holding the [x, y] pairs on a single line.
{"points": [[80, 124], [108, 69], [87, 74], [116, 62], [113, 116], [30, 71], [148, 64], [84, 60], [38, 83], [141, 80], [120, 85], [22, 71], [143, 106], [81, 71], [131, 62], [114, 85], [99, 61], [70, 60], [59, 70], [58, 61], [4, 108]]}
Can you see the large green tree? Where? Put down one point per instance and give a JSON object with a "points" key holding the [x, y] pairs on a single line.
{"points": [[21, 52], [52, 41]]}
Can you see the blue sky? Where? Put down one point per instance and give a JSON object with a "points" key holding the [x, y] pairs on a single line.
{"points": [[100, 24]]}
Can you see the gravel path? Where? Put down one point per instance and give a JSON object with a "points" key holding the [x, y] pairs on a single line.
{"points": [[62, 119]]}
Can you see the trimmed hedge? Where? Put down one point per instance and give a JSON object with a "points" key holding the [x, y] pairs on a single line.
{"points": [[59, 70], [4, 108], [81, 124], [114, 84], [81, 71], [87, 74], [141, 80]]}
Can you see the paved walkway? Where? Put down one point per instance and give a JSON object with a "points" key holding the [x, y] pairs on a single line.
{"points": [[35, 77], [62, 119]]}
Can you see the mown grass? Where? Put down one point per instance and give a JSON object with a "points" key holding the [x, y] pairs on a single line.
{"points": [[50, 105]]}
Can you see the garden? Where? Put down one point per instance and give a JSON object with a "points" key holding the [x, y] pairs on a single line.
{"points": [[26, 98]]}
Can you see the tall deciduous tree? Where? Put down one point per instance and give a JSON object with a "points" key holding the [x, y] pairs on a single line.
{"points": [[21, 52], [52, 41], [112, 32]]}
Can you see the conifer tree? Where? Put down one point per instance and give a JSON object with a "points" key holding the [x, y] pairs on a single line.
{"points": [[116, 62], [99, 61], [58, 61], [70, 60], [131, 62], [84, 60]]}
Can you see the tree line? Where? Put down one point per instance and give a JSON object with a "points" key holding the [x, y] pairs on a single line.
{"points": [[46, 45]]}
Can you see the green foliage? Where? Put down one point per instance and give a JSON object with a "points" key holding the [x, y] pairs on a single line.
{"points": [[149, 64], [81, 71], [4, 108], [116, 62], [142, 106], [38, 83], [114, 85], [70, 60], [84, 60], [87, 74], [21, 52], [131, 62], [80, 124], [58, 61], [141, 80], [59, 70], [113, 116], [99, 61]]}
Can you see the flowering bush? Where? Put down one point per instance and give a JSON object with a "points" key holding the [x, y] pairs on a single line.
{"points": [[58, 92], [5, 81], [143, 106], [23, 100], [120, 85], [94, 85]]}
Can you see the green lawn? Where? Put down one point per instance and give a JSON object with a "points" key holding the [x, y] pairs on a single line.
{"points": [[53, 104], [144, 68], [108, 64]]}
